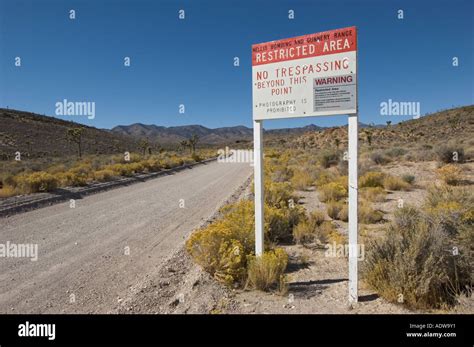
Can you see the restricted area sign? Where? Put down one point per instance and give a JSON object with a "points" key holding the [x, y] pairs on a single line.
{"points": [[310, 75]]}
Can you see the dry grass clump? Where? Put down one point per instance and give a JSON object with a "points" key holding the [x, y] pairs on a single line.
{"points": [[301, 179], [415, 263], [333, 209], [372, 179], [450, 174], [266, 271], [368, 215], [309, 229], [278, 194], [379, 158], [395, 183], [373, 194]]}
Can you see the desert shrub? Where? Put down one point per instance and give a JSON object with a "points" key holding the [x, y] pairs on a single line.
{"points": [[328, 158], [136, 167], [412, 263], [396, 152], [277, 224], [452, 207], [7, 191], [395, 183], [325, 177], [218, 253], [336, 237], [307, 230], [280, 173], [372, 179], [171, 162], [373, 194], [223, 247], [343, 167], [343, 214], [301, 179], [78, 175], [196, 157], [379, 158], [120, 169], [333, 209], [265, 271], [368, 215], [36, 182], [449, 154], [152, 164], [450, 174], [332, 191], [104, 175], [303, 232], [317, 217], [410, 179], [277, 194]]}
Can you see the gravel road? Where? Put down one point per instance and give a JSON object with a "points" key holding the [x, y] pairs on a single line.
{"points": [[91, 256]]}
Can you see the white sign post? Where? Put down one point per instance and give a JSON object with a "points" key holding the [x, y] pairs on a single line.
{"points": [[305, 76]]}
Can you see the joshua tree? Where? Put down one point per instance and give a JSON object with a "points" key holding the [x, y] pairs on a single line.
{"points": [[184, 144], [193, 142], [368, 136], [144, 145], [389, 122], [75, 135]]}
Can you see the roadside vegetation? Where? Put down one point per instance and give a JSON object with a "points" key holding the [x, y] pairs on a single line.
{"points": [[38, 175], [418, 231]]}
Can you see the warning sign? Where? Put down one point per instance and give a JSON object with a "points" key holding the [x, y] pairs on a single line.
{"points": [[311, 75]]}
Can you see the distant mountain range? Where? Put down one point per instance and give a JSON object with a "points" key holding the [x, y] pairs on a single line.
{"points": [[223, 135], [43, 136]]}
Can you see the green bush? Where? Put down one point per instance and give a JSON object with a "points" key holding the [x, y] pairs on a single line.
{"points": [[410, 179]]}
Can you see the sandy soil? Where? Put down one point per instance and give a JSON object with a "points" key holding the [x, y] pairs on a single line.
{"points": [[317, 284], [93, 255]]}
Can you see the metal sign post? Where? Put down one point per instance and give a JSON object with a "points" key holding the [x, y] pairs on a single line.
{"points": [[305, 76], [258, 179], [353, 201]]}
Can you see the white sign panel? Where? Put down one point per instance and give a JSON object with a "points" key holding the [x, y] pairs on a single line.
{"points": [[310, 75]]}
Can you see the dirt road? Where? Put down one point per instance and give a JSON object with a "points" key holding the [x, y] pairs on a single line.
{"points": [[90, 256]]}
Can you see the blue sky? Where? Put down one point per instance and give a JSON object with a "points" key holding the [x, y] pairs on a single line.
{"points": [[190, 61]]}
